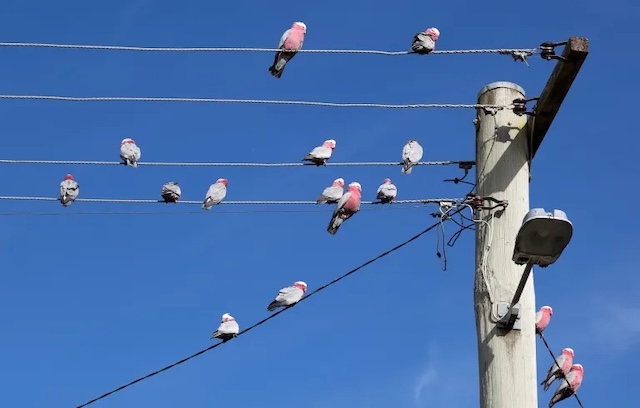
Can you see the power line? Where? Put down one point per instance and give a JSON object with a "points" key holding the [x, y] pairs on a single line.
{"points": [[266, 319], [553, 357], [65, 213], [199, 202], [251, 101], [220, 164], [502, 51]]}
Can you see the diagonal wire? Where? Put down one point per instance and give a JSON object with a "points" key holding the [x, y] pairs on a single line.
{"points": [[250, 101], [502, 51], [266, 319], [199, 202], [221, 164], [553, 357]]}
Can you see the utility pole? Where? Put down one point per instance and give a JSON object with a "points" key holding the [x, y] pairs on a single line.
{"points": [[506, 142], [507, 360]]}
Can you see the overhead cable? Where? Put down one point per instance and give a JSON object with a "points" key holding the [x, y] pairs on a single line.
{"points": [[553, 358], [502, 51], [251, 101], [64, 212], [266, 319], [221, 164], [199, 202]]}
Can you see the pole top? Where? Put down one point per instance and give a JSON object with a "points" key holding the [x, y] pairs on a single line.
{"points": [[500, 84]]}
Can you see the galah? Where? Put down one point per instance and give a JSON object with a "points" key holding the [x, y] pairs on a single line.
{"points": [[171, 192], [216, 193], [290, 43], [425, 42], [319, 155], [228, 328], [569, 386], [559, 368], [387, 191], [288, 296], [129, 152], [543, 317], [69, 190], [332, 194], [411, 154], [347, 206]]}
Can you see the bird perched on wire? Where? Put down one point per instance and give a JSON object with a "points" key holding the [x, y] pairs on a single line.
{"points": [[543, 317], [129, 152], [171, 192], [290, 43], [387, 191], [228, 328], [569, 386], [288, 296], [69, 190], [216, 193], [347, 206], [320, 154], [411, 154], [425, 42], [332, 194], [559, 368]]}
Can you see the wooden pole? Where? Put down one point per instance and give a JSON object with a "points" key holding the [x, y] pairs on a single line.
{"points": [[507, 360]]}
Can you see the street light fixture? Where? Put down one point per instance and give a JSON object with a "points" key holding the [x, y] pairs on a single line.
{"points": [[542, 238]]}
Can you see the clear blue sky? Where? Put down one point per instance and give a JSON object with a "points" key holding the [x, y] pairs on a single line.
{"points": [[92, 301]]}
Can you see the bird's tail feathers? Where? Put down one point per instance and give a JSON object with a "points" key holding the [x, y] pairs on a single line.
{"points": [[273, 306]]}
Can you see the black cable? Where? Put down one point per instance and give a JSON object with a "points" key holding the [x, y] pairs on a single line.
{"points": [[266, 319], [553, 357]]}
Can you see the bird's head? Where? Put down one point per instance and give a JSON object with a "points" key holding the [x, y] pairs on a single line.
{"points": [[227, 317], [299, 25], [338, 182], [330, 143], [355, 186], [547, 309], [68, 177], [568, 351], [577, 367], [127, 140], [222, 181], [433, 32], [387, 181], [301, 285]]}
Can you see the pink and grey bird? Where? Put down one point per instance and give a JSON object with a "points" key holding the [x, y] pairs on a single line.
{"points": [[425, 42], [129, 152], [332, 194], [543, 317], [387, 191], [559, 368], [570, 385], [289, 45], [216, 193], [69, 190], [347, 206], [288, 296], [228, 328], [411, 154], [171, 192], [320, 154]]}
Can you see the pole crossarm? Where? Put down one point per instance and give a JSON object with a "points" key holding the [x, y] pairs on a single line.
{"points": [[557, 87]]}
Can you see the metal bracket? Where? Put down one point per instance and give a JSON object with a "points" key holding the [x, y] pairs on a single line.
{"points": [[520, 106], [548, 52], [505, 316], [477, 202], [466, 166]]}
